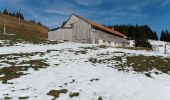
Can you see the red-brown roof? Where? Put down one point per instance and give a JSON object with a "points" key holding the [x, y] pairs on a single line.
{"points": [[101, 27]]}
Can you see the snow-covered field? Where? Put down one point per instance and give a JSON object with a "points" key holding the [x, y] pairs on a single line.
{"points": [[69, 68]]}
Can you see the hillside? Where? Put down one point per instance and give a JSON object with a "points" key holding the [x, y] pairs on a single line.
{"points": [[25, 27], [75, 71]]}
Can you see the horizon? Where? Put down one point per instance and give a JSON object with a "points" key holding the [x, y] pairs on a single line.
{"points": [[54, 13]]}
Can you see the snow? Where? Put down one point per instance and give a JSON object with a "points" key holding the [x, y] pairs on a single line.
{"points": [[112, 85], [160, 45]]}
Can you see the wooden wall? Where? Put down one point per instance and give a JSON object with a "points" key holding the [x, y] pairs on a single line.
{"points": [[81, 32], [61, 34]]}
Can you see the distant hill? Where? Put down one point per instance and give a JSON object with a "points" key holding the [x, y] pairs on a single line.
{"points": [[24, 27]]}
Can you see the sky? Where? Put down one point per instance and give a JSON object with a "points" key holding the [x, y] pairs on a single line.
{"points": [[154, 13]]}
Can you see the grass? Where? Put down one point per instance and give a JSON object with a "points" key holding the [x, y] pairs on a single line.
{"points": [[139, 64], [74, 94], [139, 48], [16, 71], [147, 63], [89, 48], [103, 46], [94, 79], [21, 98], [80, 52], [15, 56], [100, 98], [11, 40], [10, 73], [35, 64], [7, 98], [56, 93]]}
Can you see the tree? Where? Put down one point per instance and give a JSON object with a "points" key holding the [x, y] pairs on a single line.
{"points": [[143, 43], [165, 36], [5, 11], [162, 36], [39, 23], [135, 31], [33, 21], [21, 15]]}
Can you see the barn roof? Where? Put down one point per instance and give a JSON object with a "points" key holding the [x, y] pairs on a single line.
{"points": [[96, 25]]}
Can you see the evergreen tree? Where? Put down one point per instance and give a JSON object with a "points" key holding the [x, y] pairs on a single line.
{"points": [[135, 31], [162, 36], [5, 11], [165, 36]]}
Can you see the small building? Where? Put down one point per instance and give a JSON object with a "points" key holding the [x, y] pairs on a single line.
{"points": [[79, 29]]}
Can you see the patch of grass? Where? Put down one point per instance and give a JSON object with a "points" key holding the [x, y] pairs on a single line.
{"points": [[7, 98], [16, 71], [139, 48], [15, 56], [117, 58], [118, 52], [35, 64], [74, 94], [10, 73], [103, 46], [72, 81], [11, 40], [56, 93], [139, 64], [48, 51], [81, 52], [89, 48], [147, 63], [100, 98], [21, 98], [93, 60], [94, 79]]}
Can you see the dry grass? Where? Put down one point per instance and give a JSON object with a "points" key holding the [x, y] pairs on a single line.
{"points": [[56, 93], [25, 27]]}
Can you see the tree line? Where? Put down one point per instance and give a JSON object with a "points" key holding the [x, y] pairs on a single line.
{"points": [[141, 34], [136, 32], [18, 14], [165, 36]]}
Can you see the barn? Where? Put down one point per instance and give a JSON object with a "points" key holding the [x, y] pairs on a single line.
{"points": [[80, 29]]}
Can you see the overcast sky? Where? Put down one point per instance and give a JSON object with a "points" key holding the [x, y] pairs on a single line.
{"points": [[155, 13]]}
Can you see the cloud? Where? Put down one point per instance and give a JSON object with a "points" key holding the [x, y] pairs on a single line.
{"points": [[165, 2], [89, 2]]}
